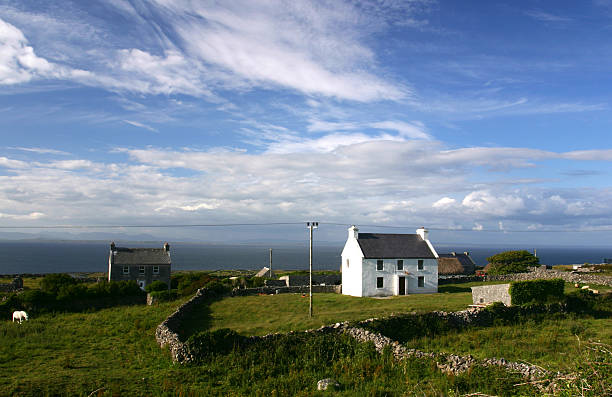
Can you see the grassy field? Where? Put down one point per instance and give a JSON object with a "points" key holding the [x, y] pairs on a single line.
{"points": [[114, 350], [259, 315], [550, 343]]}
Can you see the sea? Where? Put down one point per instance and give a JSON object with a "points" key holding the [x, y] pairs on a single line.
{"points": [[36, 257]]}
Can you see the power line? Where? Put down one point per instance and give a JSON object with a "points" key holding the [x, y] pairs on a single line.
{"points": [[212, 225]]}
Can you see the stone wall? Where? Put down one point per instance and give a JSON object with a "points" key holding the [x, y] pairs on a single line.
{"points": [[318, 279], [275, 283], [485, 294], [302, 289], [541, 273], [167, 333], [15, 285]]}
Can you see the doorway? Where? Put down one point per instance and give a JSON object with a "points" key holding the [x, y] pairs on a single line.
{"points": [[402, 286]]}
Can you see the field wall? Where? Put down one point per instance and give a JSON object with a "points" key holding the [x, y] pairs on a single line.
{"points": [[541, 273]]}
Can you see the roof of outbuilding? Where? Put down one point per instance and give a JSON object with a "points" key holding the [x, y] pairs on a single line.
{"points": [[390, 246], [141, 256], [463, 258]]}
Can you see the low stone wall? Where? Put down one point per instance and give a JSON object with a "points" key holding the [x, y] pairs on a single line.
{"points": [[318, 279], [456, 279], [302, 289], [167, 333], [540, 273], [15, 285]]}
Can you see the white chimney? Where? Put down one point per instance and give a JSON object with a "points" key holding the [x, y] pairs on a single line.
{"points": [[422, 232], [353, 232]]}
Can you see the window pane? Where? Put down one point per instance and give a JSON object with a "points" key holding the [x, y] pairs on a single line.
{"points": [[379, 282], [400, 264], [379, 264], [421, 282], [420, 264]]}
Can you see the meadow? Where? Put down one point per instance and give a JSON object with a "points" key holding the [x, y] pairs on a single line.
{"points": [[114, 350]]}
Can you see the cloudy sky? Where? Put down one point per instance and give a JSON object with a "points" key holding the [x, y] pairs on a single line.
{"points": [[467, 116]]}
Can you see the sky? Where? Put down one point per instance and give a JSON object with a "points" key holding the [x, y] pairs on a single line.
{"points": [[485, 121]]}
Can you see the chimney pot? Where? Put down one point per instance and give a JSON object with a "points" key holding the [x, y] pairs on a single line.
{"points": [[166, 247]]}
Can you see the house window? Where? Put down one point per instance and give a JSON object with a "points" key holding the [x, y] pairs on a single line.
{"points": [[400, 264], [379, 282], [141, 270], [421, 281], [126, 270], [379, 264], [155, 269], [420, 264]]}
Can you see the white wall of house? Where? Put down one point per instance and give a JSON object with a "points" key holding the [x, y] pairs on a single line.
{"points": [[352, 265], [391, 277]]}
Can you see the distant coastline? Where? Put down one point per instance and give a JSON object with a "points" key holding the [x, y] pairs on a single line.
{"points": [[52, 256]]}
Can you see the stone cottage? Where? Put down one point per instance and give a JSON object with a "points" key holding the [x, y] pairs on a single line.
{"points": [[376, 264], [144, 265]]}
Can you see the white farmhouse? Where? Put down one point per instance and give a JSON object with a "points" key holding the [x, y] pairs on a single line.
{"points": [[376, 264]]}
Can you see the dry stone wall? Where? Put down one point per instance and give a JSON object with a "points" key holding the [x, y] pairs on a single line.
{"points": [[300, 289], [541, 273]]}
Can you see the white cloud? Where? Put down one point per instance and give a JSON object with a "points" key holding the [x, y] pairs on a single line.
{"points": [[485, 203], [140, 125], [444, 202]]}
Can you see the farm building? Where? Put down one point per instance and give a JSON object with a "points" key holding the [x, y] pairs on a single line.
{"points": [[456, 263], [144, 265], [376, 264]]}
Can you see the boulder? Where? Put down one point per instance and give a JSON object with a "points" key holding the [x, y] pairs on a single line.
{"points": [[324, 384]]}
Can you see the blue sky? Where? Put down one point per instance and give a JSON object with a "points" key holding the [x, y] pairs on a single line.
{"points": [[474, 115]]}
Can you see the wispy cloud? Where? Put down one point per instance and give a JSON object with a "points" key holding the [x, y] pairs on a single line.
{"points": [[546, 16], [140, 125], [40, 150]]}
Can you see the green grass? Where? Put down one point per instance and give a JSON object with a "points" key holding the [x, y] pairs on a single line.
{"points": [[73, 353], [259, 315], [550, 343]]}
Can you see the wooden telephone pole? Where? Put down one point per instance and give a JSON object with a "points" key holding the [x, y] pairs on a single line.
{"points": [[311, 226]]}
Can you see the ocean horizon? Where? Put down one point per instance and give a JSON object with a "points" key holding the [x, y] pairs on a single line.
{"points": [[18, 257]]}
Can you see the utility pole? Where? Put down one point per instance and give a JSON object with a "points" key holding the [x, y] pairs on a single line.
{"points": [[270, 262], [310, 226]]}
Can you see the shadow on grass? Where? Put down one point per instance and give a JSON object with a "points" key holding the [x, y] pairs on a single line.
{"points": [[453, 289], [197, 320]]}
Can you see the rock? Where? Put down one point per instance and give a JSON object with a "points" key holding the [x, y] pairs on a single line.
{"points": [[324, 384], [585, 287]]}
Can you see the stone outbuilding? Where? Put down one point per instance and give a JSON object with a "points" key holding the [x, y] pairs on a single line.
{"points": [[486, 294], [144, 265], [377, 264]]}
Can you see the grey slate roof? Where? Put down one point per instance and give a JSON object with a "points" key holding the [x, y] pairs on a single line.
{"points": [[141, 256], [391, 246]]}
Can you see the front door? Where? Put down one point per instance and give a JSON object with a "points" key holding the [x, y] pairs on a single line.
{"points": [[402, 285]]}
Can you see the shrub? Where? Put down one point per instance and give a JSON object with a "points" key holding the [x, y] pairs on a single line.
{"points": [[538, 291], [156, 285], [165, 295], [53, 282], [511, 262]]}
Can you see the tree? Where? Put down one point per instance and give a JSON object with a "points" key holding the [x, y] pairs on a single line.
{"points": [[52, 283], [511, 262]]}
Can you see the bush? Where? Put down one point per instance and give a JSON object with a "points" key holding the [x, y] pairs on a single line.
{"points": [[511, 262], [165, 295], [538, 291], [53, 282], [156, 286]]}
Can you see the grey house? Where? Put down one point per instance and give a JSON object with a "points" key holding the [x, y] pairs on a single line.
{"points": [[144, 265]]}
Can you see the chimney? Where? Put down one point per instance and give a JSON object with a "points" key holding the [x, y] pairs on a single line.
{"points": [[112, 246], [466, 253], [353, 232], [422, 232], [453, 253], [166, 247]]}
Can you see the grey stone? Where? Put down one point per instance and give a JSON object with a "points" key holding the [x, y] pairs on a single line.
{"points": [[324, 384]]}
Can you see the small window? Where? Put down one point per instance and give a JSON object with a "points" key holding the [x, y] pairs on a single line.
{"points": [[379, 264], [421, 282], [155, 269], [420, 264], [400, 264], [347, 263], [126, 270], [379, 282], [141, 270]]}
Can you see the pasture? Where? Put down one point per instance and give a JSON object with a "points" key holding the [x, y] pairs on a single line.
{"points": [[114, 350]]}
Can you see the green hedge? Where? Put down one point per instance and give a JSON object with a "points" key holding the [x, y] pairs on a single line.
{"points": [[165, 296], [538, 291]]}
